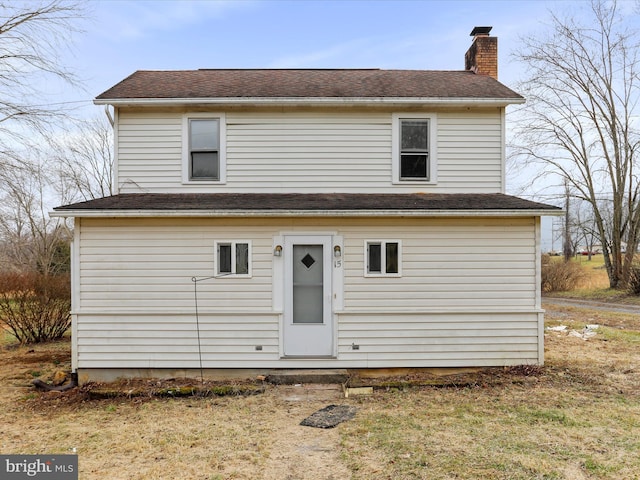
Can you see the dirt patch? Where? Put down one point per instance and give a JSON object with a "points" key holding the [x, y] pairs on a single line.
{"points": [[54, 357], [303, 453]]}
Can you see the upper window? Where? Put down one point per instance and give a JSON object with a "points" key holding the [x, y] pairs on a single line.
{"points": [[414, 148], [382, 258], [203, 148], [233, 258]]}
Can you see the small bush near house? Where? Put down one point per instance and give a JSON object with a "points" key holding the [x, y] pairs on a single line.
{"points": [[34, 307], [633, 285], [560, 276]]}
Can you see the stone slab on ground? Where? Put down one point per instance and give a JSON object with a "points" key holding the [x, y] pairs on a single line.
{"points": [[330, 416]]}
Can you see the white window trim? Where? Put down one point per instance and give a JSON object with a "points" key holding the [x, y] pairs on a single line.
{"points": [[233, 274], [222, 154], [383, 259], [433, 150]]}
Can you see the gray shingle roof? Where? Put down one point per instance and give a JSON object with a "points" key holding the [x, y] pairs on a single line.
{"points": [[300, 202], [307, 83]]}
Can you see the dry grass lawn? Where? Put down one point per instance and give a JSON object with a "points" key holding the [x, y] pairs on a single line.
{"points": [[595, 283], [576, 418]]}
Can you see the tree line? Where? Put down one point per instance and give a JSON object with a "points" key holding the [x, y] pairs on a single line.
{"points": [[47, 157]]}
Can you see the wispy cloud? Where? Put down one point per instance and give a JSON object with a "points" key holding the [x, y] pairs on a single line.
{"points": [[412, 51], [130, 20], [323, 57]]}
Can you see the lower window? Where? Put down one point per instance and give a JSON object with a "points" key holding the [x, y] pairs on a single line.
{"points": [[382, 258], [233, 258]]}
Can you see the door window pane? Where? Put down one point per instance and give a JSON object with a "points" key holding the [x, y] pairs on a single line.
{"points": [[308, 284]]}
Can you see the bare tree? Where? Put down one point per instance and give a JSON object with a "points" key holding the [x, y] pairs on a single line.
{"points": [[33, 35], [31, 239], [85, 160], [585, 228], [583, 92]]}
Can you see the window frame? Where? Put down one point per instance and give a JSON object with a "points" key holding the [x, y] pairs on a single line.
{"points": [[396, 145], [383, 260], [232, 273], [186, 148]]}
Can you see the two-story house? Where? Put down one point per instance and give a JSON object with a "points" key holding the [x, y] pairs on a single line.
{"points": [[314, 218]]}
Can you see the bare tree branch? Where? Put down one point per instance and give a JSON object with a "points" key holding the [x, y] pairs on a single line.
{"points": [[33, 37], [85, 161]]}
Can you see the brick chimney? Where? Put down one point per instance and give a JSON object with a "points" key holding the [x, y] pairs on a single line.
{"points": [[482, 56]]}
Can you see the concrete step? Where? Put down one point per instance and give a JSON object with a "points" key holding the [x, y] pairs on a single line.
{"points": [[294, 377]]}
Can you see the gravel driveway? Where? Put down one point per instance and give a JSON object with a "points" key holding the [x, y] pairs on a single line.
{"points": [[593, 305]]}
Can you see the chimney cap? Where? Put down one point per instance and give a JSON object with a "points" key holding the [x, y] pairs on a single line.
{"points": [[480, 31]]}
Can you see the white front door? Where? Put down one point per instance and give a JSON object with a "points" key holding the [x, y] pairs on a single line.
{"points": [[308, 319]]}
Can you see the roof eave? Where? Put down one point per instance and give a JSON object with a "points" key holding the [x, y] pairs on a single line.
{"points": [[81, 213], [312, 101]]}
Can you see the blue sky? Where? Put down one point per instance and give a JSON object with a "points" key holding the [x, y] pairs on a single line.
{"points": [[123, 36]]}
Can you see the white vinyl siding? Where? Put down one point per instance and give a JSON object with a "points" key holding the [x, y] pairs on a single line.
{"points": [[467, 295], [449, 264], [324, 151], [170, 341], [470, 152], [149, 151], [440, 339], [146, 266]]}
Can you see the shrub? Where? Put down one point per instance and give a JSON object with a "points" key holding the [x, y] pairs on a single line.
{"points": [[560, 276], [34, 307], [633, 284]]}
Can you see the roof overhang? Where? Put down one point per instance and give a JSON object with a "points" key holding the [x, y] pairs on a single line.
{"points": [[256, 205], [300, 213], [313, 102]]}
